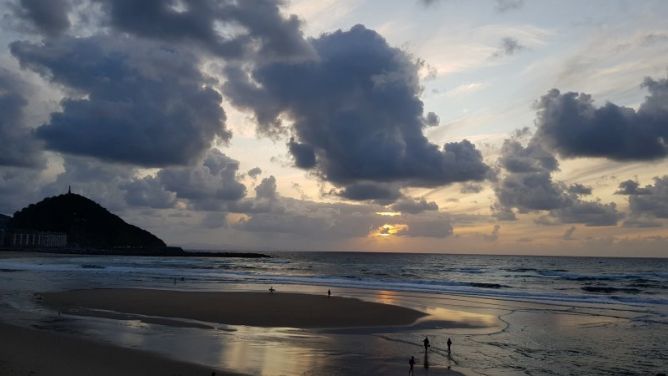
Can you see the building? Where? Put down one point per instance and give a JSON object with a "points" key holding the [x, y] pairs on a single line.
{"points": [[34, 239]]}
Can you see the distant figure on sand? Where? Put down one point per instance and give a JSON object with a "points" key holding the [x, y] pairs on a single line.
{"points": [[329, 293], [426, 344], [449, 344], [411, 363], [272, 290]]}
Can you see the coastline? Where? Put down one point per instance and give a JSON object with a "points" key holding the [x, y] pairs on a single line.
{"points": [[492, 335]]}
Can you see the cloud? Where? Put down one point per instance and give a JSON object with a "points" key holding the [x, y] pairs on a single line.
{"points": [[508, 5], [572, 126], [649, 201], [370, 191], [207, 186], [19, 148], [568, 234], [429, 228], [494, 235], [49, 17], [266, 189], [355, 114], [413, 206], [579, 189], [230, 29], [133, 101], [527, 186], [509, 46], [148, 192], [471, 188], [254, 172]]}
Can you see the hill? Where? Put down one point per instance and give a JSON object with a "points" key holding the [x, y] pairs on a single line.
{"points": [[86, 223]]}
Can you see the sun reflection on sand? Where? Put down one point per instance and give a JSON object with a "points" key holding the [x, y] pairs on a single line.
{"points": [[264, 351]]}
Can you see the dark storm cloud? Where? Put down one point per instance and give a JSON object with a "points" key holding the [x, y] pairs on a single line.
{"points": [[649, 201], [356, 114], [48, 17], [303, 154], [144, 104], [370, 191], [18, 188], [573, 126], [413, 206], [17, 146], [226, 28], [591, 213], [527, 186], [206, 186]]}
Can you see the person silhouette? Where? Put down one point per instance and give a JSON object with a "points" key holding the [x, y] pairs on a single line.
{"points": [[449, 344], [329, 293], [426, 344], [411, 363], [271, 290]]}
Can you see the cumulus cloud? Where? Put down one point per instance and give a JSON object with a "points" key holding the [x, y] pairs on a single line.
{"points": [[364, 191], [134, 101], [527, 186], [148, 192], [49, 17], [18, 148], [231, 29], [648, 201], [254, 172], [413, 206], [356, 114], [208, 185], [573, 126], [579, 189]]}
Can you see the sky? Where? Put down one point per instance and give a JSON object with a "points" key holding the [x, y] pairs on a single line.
{"points": [[489, 126]]}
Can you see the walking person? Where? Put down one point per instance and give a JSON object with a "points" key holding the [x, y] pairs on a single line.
{"points": [[449, 344], [426, 344], [411, 364]]}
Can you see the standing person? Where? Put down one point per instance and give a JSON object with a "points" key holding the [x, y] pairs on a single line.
{"points": [[449, 344], [329, 293], [411, 363], [426, 344]]}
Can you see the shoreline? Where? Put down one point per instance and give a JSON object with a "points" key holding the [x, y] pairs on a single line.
{"points": [[27, 351]]}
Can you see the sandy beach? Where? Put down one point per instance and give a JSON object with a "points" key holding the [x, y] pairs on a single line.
{"points": [[236, 308], [35, 352]]}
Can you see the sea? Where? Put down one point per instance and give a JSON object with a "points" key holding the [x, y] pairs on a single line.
{"points": [[559, 315]]}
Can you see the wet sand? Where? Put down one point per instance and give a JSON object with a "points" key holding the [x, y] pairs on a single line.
{"points": [[236, 308], [35, 352]]}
